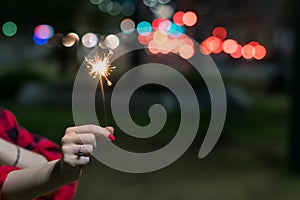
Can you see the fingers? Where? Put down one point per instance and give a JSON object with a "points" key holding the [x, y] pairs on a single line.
{"points": [[74, 160], [87, 149], [111, 130], [87, 138], [97, 130], [79, 142]]}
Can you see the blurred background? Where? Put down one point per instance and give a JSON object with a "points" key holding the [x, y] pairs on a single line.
{"points": [[253, 43]]}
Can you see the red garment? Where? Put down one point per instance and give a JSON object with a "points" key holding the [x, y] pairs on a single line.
{"points": [[12, 132]]}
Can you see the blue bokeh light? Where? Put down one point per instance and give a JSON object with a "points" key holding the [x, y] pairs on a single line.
{"points": [[144, 28], [39, 41]]}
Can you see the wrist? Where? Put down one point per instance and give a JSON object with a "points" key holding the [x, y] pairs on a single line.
{"points": [[67, 171]]}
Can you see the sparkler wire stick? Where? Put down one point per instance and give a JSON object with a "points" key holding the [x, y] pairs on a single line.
{"points": [[101, 67], [103, 98]]}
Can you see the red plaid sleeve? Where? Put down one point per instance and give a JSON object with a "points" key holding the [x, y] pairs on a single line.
{"points": [[12, 132]]}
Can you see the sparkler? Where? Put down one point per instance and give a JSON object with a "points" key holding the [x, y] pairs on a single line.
{"points": [[101, 67]]}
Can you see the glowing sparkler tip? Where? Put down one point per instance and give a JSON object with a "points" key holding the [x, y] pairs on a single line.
{"points": [[100, 66]]}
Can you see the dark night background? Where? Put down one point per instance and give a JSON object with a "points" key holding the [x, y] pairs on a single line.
{"points": [[258, 154]]}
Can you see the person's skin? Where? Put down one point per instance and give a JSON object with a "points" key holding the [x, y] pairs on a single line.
{"points": [[8, 154], [35, 181]]}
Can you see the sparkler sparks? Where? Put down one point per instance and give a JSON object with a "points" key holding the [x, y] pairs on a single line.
{"points": [[101, 67]]}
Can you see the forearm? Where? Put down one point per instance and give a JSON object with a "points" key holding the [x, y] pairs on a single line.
{"points": [[8, 155], [36, 181]]}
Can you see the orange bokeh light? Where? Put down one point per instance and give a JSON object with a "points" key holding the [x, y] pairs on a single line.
{"points": [[189, 18], [186, 51], [160, 37], [248, 51], [153, 47], [177, 18], [230, 46], [187, 41], [220, 32], [175, 43], [259, 52]]}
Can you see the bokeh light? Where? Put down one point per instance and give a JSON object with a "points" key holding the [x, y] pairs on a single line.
{"points": [[189, 18], [89, 40], [259, 52], [156, 22], [164, 1], [229, 46], [176, 30], [153, 47], [43, 31], [95, 2], [113, 8], [164, 25], [177, 18], [186, 51], [220, 32], [70, 39], [253, 43], [9, 29], [150, 3], [248, 51], [144, 40], [127, 26], [204, 49], [102, 6], [238, 53], [112, 41], [160, 37], [39, 41], [186, 40], [144, 28], [213, 43], [163, 11], [128, 8]]}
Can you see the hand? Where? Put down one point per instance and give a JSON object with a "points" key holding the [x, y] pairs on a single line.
{"points": [[79, 142]]}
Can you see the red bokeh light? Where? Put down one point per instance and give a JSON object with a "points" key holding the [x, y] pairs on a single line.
{"points": [[177, 18], [259, 52], [213, 43], [248, 51], [238, 53], [156, 22], [253, 43], [220, 32], [204, 49], [145, 39], [230, 46]]}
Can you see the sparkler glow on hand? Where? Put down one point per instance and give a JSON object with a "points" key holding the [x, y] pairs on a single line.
{"points": [[101, 67]]}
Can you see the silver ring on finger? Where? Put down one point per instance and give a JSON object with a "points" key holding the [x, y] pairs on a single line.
{"points": [[80, 151]]}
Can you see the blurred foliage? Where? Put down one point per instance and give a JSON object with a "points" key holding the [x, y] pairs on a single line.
{"points": [[12, 80], [265, 119]]}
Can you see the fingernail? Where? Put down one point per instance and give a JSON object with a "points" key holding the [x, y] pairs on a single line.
{"points": [[111, 137]]}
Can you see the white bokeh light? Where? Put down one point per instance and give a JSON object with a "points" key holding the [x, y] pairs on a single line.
{"points": [[112, 41], [89, 40]]}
